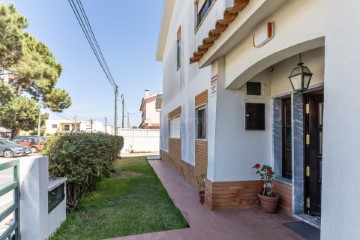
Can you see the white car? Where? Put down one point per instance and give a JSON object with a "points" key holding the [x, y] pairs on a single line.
{"points": [[10, 149]]}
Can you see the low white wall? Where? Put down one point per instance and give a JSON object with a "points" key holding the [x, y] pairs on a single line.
{"points": [[140, 140], [58, 214], [35, 221], [34, 177]]}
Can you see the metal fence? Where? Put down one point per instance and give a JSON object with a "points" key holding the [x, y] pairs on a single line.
{"points": [[13, 231]]}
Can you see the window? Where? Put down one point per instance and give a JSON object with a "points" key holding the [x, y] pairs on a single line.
{"points": [[201, 123], [67, 127], [253, 88], [174, 127], [54, 126], [178, 48], [202, 7], [286, 139]]}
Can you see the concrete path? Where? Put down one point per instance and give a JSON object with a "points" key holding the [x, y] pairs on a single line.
{"points": [[244, 223]]}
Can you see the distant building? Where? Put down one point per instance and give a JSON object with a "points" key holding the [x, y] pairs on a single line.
{"points": [[61, 127], [150, 116], [4, 132], [7, 76]]}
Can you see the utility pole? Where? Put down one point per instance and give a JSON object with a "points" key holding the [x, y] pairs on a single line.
{"points": [[38, 133], [105, 125], [75, 129], [116, 112], [39, 120], [91, 122], [123, 104], [128, 119]]}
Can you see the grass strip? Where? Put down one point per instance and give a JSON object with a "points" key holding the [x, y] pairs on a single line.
{"points": [[132, 202]]}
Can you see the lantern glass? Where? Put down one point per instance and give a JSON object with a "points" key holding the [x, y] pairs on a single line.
{"points": [[300, 77], [296, 82]]}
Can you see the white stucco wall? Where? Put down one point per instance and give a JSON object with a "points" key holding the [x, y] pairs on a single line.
{"points": [[340, 191], [215, 13], [232, 150], [34, 177], [152, 116], [245, 61], [140, 140], [35, 222], [181, 86], [313, 59], [235, 149], [85, 126]]}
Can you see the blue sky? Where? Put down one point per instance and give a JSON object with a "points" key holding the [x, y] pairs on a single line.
{"points": [[127, 32]]}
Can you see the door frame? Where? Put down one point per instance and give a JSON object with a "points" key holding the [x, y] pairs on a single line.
{"points": [[312, 169], [298, 146]]}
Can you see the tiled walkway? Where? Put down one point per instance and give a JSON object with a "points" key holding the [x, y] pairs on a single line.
{"points": [[246, 223]]}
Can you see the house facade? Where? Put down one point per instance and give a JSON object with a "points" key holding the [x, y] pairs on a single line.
{"points": [[150, 116], [228, 103], [63, 126]]}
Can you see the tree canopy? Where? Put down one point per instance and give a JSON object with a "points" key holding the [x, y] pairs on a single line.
{"points": [[11, 36], [37, 74], [36, 70]]}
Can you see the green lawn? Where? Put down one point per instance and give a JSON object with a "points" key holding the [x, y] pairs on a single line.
{"points": [[132, 202]]}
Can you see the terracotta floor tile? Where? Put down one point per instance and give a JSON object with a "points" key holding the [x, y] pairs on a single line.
{"points": [[242, 223]]}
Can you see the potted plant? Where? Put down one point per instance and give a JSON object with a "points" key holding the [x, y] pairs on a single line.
{"points": [[201, 178], [268, 199]]}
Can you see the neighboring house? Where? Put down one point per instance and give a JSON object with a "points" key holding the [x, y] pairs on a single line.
{"points": [[7, 76], [61, 127], [228, 103], [150, 115], [5, 133]]}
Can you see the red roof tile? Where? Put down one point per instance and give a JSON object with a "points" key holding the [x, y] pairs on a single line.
{"points": [[221, 25]]}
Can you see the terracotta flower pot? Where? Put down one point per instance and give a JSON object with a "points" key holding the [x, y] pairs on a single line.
{"points": [[202, 196], [268, 204]]}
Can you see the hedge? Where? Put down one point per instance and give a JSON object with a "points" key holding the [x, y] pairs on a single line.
{"points": [[83, 158]]}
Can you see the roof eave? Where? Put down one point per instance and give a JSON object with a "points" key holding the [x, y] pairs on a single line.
{"points": [[164, 29]]}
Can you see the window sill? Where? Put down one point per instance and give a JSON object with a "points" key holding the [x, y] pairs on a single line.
{"points": [[201, 139], [284, 181]]}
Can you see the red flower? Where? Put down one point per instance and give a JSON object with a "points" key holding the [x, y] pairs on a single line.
{"points": [[260, 187], [257, 166], [270, 171]]}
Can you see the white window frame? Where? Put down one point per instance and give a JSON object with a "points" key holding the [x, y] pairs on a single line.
{"points": [[203, 107], [177, 133]]}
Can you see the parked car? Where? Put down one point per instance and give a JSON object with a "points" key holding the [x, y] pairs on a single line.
{"points": [[32, 142], [10, 149]]}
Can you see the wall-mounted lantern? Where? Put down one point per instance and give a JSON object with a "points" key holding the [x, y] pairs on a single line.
{"points": [[300, 77]]}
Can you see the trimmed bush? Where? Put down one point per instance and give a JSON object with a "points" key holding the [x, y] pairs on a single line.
{"points": [[83, 158]]}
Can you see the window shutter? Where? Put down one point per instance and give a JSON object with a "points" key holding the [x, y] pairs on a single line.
{"points": [[175, 127]]}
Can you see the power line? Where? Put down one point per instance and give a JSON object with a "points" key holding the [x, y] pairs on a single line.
{"points": [[90, 36], [62, 116], [93, 36], [85, 25]]}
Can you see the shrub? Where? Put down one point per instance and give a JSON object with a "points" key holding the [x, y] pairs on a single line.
{"points": [[83, 158]]}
